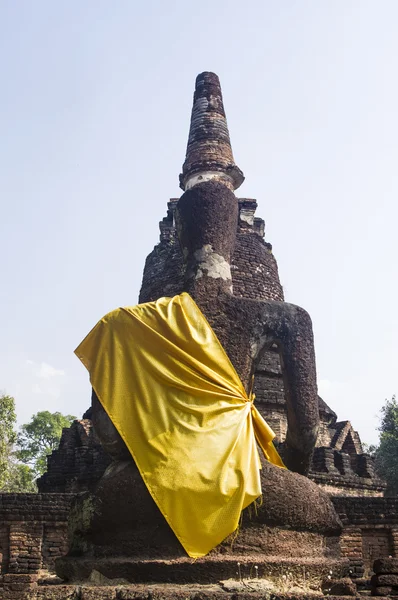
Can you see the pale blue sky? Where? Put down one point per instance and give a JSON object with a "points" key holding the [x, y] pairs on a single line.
{"points": [[94, 114]]}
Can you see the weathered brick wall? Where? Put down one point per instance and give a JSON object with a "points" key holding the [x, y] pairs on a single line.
{"points": [[163, 272], [33, 531], [376, 542], [370, 530], [365, 511], [254, 268], [4, 545]]}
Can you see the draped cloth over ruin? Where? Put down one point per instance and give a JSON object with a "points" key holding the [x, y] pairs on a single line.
{"points": [[169, 388]]}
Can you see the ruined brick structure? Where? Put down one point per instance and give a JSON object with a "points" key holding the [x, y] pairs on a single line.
{"points": [[77, 464], [33, 527], [123, 531], [339, 463]]}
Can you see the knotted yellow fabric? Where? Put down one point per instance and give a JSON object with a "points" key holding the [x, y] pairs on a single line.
{"points": [[169, 388]]}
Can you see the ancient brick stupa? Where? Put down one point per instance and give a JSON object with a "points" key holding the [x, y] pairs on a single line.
{"points": [[339, 463], [212, 247]]}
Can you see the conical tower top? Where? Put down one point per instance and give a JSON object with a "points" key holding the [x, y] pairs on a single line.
{"points": [[209, 152]]}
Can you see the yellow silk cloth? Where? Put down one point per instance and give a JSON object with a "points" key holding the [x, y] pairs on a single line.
{"points": [[169, 388]]}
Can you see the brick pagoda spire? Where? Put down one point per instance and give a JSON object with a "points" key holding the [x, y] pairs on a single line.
{"points": [[209, 152]]}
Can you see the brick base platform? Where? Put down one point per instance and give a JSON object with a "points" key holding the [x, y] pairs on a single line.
{"points": [[254, 589]]}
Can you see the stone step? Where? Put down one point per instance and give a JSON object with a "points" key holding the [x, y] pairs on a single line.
{"points": [[246, 591], [205, 570]]}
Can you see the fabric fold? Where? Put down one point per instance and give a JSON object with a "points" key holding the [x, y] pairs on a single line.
{"points": [[172, 393]]}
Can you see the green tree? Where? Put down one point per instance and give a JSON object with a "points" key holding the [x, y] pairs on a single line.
{"points": [[386, 454], [14, 477], [7, 436], [38, 438], [21, 479]]}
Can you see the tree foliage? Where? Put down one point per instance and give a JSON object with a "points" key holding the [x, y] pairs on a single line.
{"points": [[389, 418], [20, 479], [14, 477], [386, 454], [7, 435], [23, 455], [38, 438]]}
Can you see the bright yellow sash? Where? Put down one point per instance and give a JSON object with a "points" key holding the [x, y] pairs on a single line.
{"points": [[169, 388]]}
